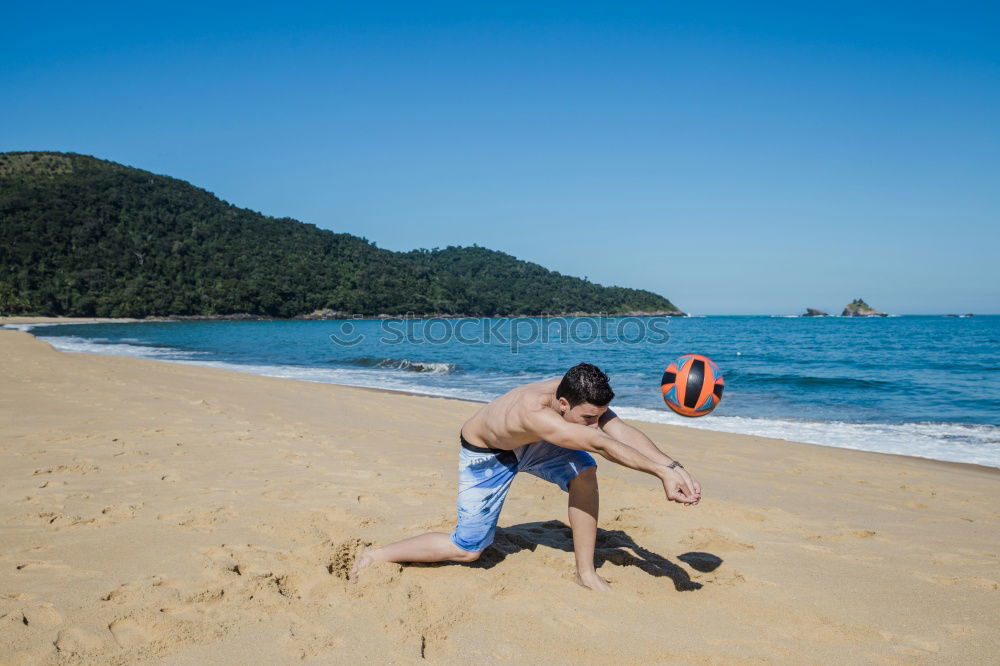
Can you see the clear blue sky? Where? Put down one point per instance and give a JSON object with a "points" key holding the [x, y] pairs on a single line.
{"points": [[735, 157]]}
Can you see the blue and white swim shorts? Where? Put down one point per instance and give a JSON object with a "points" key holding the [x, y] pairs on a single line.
{"points": [[485, 475]]}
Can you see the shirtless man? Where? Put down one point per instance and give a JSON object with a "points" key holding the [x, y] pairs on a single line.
{"points": [[548, 429]]}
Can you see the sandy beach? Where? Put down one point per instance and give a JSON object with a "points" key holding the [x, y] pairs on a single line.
{"points": [[153, 512]]}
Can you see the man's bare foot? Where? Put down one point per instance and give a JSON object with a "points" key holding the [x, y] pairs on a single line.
{"points": [[592, 581], [362, 561]]}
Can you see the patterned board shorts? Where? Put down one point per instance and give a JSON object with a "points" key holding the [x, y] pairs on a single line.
{"points": [[485, 475]]}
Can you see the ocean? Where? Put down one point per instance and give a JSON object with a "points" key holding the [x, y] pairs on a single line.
{"points": [[924, 386]]}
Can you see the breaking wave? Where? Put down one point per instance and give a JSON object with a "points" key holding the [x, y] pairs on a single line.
{"points": [[409, 365]]}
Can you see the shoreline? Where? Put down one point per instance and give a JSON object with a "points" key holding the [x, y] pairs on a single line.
{"points": [[28, 321]]}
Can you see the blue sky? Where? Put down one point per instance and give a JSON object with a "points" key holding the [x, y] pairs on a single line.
{"points": [[735, 157]]}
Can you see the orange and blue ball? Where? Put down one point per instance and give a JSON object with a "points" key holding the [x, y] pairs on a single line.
{"points": [[692, 385]]}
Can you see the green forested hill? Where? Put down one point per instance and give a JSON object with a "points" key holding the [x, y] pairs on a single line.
{"points": [[87, 237]]}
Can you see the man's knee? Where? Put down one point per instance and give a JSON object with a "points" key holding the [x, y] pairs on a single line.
{"points": [[585, 480], [467, 555]]}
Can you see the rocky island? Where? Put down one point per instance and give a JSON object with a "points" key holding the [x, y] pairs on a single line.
{"points": [[813, 312], [858, 308]]}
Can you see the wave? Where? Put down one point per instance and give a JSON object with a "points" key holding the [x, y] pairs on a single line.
{"points": [[955, 442], [362, 377], [409, 365], [119, 348]]}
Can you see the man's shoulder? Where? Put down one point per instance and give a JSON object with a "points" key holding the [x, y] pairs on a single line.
{"points": [[538, 395], [528, 403], [537, 416]]}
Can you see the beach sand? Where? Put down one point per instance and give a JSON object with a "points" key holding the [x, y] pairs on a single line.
{"points": [[164, 513]]}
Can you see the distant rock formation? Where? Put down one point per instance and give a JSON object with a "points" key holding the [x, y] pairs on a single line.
{"points": [[238, 316], [812, 312], [858, 308]]}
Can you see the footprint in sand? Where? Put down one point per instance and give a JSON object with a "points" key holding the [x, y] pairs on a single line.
{"points": [[42, 615], [34, 616], [76, 641], [134, 630], [161, 612]]}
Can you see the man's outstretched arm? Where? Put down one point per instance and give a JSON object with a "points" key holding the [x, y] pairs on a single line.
{"points": [[623, 432], [553, 429]]}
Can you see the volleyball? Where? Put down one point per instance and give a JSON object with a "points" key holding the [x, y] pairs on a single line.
{"points": [[692, 385]]}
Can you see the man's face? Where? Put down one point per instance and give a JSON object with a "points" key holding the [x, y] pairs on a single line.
{"points": [[583, 414]]}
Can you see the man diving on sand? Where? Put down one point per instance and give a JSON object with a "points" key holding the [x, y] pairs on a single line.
{"points": [[548, 429]]}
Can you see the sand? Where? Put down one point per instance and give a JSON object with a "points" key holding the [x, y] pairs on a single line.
{"points": [[162, 513]]}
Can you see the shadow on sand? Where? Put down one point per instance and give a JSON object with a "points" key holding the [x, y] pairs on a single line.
{"points": [[614, 546]]}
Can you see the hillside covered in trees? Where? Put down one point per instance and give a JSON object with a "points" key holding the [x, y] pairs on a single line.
{"points": [[86, 237]]}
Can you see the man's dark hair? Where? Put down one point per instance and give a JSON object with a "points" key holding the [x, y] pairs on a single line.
{"points": [[585, 383]]}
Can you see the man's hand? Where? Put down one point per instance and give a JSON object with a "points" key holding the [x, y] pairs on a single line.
{"points": [[680, 486]]}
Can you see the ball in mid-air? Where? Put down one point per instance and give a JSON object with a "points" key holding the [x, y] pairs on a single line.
{"points": [[692, 385]]}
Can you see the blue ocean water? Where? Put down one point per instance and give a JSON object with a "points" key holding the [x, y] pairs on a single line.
{"points": [[918, 385]]}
